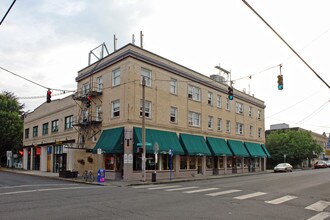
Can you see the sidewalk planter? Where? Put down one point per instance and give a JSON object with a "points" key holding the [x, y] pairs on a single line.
{"points": [[68, 174]]}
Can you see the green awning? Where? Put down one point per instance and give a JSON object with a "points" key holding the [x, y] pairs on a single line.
{"points": [[218, 146], [195, 145], [255, 149], [166, 140], [237, 147], [265, 150], [111, 141]]}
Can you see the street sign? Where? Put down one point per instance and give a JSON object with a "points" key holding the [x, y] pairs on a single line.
{"points": [[99, 151], [147, 144]]}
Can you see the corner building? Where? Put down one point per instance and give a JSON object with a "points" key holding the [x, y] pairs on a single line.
{"points": [[186, 113]]}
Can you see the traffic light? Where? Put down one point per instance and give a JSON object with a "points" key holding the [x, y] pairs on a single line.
{"points": [[88, 103], [49, 96], [230, 93], [280, 82]]}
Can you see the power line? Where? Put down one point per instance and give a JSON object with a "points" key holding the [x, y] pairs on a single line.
{"points": [[249, 6], [7, 12]]}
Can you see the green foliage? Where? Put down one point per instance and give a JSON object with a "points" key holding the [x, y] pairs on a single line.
{"points": [[296, 145], [11, 128]]}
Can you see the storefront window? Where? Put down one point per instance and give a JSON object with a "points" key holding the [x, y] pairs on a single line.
{"points": [[229, 162], [246, 162], [209, 162], [150, 163], [239, 162], [137, 162], [183, 162], [112, 162], [256, 164], [166, 160], [221, 162], [192, 162]]}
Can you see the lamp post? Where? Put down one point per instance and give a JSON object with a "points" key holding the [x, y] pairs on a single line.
{"points": [[143, 131]]}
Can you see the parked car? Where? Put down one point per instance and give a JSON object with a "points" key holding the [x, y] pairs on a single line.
{"points": [[320, 164], [328, 163], [283, 167]]}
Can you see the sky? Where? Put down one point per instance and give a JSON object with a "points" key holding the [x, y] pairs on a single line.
{"points": [[48, 42]]}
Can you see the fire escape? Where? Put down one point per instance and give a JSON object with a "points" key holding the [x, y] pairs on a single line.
{"points": [[89, 118]]}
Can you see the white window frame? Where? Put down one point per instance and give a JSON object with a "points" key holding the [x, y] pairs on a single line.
{"points": [[239, 108], [210, 98], [86, 88], [115, 108], [219, 101], [259, 132], [227, 104], [115, 76], [219, 124], [147, 109], [250, 111], [228, 126], [194, 119], [147, 74], [173, 86], [239, 128], [98, 110], [251, 131], [173, 114], [99, 84], [259, 114], [210, 122], [194, 93]]}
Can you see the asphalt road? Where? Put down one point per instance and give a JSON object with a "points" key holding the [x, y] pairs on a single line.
{"points": [[297, 195]]}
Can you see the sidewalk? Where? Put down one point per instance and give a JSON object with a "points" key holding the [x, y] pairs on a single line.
{"points": [[121, 183]]}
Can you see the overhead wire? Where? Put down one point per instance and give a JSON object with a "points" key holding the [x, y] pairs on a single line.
{"points": [[12, 4]]}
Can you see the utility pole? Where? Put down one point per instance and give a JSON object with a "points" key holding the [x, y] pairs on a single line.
{"points": [[143, 131]]}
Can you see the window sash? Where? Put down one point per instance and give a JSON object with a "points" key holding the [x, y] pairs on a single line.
{"points": [[54, 126], [115, 108], [173, 86], [194, 93], [116, 77], [210, 98], [68, 122], [239, 128], [219, 101], [147, 109], [194, 119], [86, 88], [219, 125], [210, 122], [99, 84], [228, 126], [35, 131], [147, 74], [45, 129], [173, 114]]}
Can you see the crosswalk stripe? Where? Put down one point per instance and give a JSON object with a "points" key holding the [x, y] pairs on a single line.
{"points": [[200, 190], [182, 188], [146, 186], [224, 192], [281, 200], [318, 206], [320, 216], [164, 187], [247, 196]]}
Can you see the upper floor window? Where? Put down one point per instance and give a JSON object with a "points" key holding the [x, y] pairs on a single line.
{"points": [[228, 126], [194, 119], [219, 125], [115, 106], [251, 131], [27, 132], [99, 84], [259, 114], [210, 98], [227, 104], [250, 111], [35, 131], [115, 77], [45, 128], [173, 114], [219, 101], [147, 76], [98, 113], [239, 128], [55, 126], [86, 88], [259, 132], [147, 109], [194, 93], [68, 122], [239, 108], [210, 122], [173, 86]]}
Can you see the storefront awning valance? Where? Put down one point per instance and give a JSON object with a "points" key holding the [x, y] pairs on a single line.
{"points": [[111, 141], [255, 149], [218, 146], [265, 150], [237, 147], [195, 145], [166, 140]]}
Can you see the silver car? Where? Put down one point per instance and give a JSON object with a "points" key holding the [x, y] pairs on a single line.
{"points": [[283, 167]]}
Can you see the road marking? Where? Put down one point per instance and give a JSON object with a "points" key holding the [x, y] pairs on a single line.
{"points": [[200, 190], [251, 195], [318, 206], [224, 192], [320, 216], [164, 187], [182, 188], [146, 186], [281, 200], [37, 185], [50, 189]]}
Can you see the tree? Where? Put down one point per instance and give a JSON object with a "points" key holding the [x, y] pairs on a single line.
{"points": [[11, 120], [296, 145]]}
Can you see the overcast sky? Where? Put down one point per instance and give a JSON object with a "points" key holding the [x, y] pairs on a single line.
{"points": [[49, 41]]}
